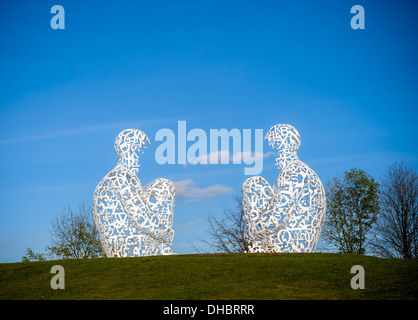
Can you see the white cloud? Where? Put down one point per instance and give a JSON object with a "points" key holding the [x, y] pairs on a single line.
{"points": [[63, 133], [254, 156], [83, 130], [188, 225], [186, 189]]}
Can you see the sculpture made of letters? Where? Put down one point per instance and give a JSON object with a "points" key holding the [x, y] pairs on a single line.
{"points": [[289, 216], [133, 221]]}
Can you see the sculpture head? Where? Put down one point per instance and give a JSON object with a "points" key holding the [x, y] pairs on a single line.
{"points": [[128, 143], [286, 140]]}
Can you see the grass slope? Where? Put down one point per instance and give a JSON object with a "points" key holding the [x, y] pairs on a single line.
{"points": [[213, 276]]}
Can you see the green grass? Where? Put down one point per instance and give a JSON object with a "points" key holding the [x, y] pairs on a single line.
{"points": [[214, 276]]}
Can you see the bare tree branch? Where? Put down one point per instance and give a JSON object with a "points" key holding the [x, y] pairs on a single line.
{"points": [[228, 234], [397, 227]]}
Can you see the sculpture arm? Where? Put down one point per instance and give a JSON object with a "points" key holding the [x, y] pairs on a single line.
{"points": [[286, 192], [160, 195], [131, 196], [257, 194]]}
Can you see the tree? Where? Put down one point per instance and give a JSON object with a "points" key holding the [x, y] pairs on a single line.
{"points": [[74, 235], [30, 255], [397, 227], [352, 208], [228, 234]]}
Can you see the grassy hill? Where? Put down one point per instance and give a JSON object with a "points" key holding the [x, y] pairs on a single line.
{"points": [[214, 276]]}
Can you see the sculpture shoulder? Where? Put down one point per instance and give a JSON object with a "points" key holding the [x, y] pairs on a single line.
{"points": [[295, 168], [118, 178], [299, 172]]}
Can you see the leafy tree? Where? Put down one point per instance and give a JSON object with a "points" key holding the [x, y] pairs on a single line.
{"points": [[74, 235], [397, 227], [30, 255], [352, 209]]}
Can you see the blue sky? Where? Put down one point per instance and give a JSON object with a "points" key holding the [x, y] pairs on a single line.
{"points": [[66, 94]]}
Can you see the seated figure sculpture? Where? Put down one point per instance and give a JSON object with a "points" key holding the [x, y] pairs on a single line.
{"points": [[132, 221], [287, 217]]}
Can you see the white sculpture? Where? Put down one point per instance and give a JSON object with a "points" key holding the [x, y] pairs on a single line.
{"points": [[133, 221], [289, 216]]}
